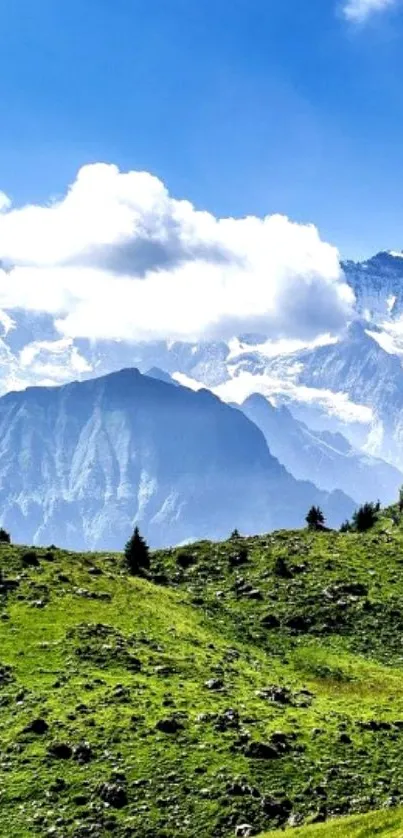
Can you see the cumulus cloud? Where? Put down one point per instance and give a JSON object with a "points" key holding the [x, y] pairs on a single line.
{"points": [[359, 10], [119, 258]]}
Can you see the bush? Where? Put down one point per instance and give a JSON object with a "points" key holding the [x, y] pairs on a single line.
{"points": [[365, 516], [5, 537], [185, 560], [30, 559], [137, 554]]}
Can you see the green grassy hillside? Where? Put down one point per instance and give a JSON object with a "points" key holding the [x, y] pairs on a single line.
{"points": [[387, 824], [256, 683]]}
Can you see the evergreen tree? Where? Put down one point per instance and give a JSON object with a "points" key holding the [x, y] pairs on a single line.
{"points": [[365, 516], [346, 527], [137, 554], [4, 536], [315, 518], [401, 499]]}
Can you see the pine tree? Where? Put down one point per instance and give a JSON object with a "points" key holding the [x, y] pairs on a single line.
{"points": [[137, 554], [365, 516], [315, 518], [4, 536]]}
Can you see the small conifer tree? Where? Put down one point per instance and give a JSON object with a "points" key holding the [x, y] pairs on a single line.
{"points": [[401, 499], [365, 516], [137, 554], [345, 527], [5, 537], [315, 518]]}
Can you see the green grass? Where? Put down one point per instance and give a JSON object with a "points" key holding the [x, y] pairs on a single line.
{"points": [[387, 824], [103, 658]]}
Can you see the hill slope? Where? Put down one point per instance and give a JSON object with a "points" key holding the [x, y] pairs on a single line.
{"points": [[80, 465], [384, 824], [257, 681]]}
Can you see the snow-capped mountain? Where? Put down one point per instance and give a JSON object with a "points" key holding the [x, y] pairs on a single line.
{"points": [[378, 285], [353, 385], [81, 464]]}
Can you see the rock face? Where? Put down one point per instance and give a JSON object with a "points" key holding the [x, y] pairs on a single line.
{"points": [[324, 457], [81, 464], [378, 285]]}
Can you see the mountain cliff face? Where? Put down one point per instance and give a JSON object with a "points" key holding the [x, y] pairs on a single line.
{"points": [[81, 464], [378, 285], [326, 458]]}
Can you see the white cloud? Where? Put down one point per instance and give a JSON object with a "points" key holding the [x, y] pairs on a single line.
{"points": [[359, 10], [238, 388], [118, 258]]}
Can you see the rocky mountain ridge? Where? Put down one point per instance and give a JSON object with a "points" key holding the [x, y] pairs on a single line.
{"points": [[85, 462]]}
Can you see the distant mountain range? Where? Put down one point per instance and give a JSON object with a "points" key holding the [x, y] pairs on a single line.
{"points": [[80, 465], [343, 401], [326, 458]]}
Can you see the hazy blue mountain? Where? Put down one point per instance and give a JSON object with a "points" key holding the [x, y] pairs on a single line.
{"points": [[81, 464], [326, 458], [161, 375]]}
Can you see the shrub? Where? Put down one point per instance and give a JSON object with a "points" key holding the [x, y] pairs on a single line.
{"points": [[30, 559], [137, 554], [185, 560], [281, 568]]}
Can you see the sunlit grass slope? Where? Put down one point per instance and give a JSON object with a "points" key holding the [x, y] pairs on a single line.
{"points": [[256, 683]]}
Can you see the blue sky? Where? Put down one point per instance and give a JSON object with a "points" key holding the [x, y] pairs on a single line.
{"points": [[241, 106]]}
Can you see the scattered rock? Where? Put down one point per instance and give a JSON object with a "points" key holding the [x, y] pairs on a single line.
{"points": [[244, 830], [60, 750], [261, 750], [83, 753], [37, 726], [229, 720], [375, 725], [238, 559], [269, 621], [280, 695], [254, 594], [114, 794], [298, 623], [170, 726], [215, 684], [277, 809]]}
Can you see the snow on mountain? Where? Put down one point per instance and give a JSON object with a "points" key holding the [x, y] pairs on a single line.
{"points": [[81, 464], [352, 385], [378, 285]]}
